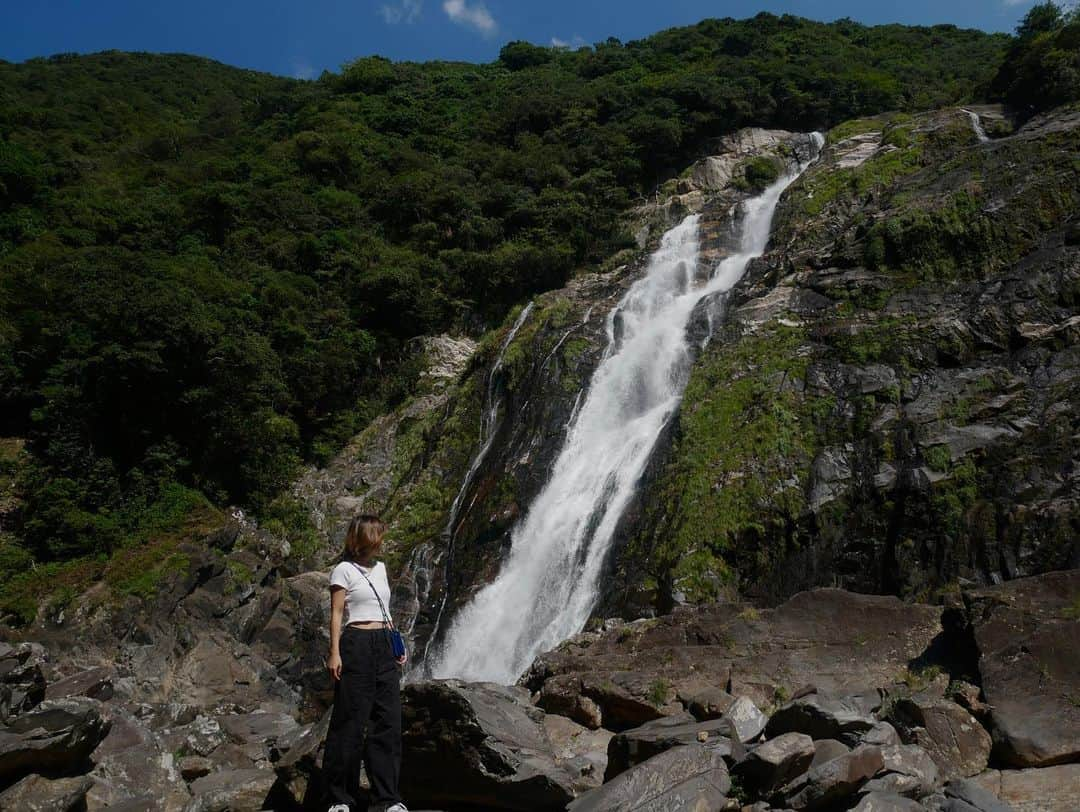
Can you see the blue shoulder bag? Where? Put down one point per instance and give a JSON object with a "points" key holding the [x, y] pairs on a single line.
{"points": [[397, 642]]}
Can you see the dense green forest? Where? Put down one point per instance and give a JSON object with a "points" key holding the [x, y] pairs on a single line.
{"points": [[209, 276]]}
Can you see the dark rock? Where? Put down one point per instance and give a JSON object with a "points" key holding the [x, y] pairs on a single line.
{"points": [[22, 680], [1046, 789], [1027, 632], [299, 770], [882, 734], [192, 767], [828, 783], [56, 735], [231, 791], [35, 793], [692, 777], [563, 695], [959, 745], [965, 794], [478, 744], [775, 762], [642, 743], [825, 716], [909, 770], [580, 751], [886, 802], [706, 702], [96, 683], [828, 749]]}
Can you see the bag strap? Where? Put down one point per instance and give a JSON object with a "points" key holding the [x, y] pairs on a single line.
{"points": [[385, 614]]}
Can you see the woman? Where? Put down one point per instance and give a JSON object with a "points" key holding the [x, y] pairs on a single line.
{"points": [[365, 673]]}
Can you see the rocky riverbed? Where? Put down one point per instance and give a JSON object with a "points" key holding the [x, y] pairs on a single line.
{"points": [[832, 700]]}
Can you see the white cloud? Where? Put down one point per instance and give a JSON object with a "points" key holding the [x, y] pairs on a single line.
{"points": [[474, 15], [575, 42], [401, 11]]}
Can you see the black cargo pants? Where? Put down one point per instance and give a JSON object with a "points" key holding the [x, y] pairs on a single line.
{"points": [[366, 700]]}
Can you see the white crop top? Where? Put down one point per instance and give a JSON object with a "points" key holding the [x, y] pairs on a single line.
{"points": [[360, 603]]}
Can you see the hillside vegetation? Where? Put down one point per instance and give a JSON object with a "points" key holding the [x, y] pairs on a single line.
{"points": [[209, 276]]}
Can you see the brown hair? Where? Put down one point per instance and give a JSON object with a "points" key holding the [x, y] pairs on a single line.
{"points": [[364, 538]]}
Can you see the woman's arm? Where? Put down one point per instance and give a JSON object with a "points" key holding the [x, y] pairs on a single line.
{"points": [[337, 608]]}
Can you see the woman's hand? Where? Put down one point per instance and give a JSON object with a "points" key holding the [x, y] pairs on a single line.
{"points": [[333, 665], [402, 659]]}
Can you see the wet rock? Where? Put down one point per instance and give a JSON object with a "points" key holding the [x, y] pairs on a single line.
{"points": [[231, 791], [642, 743], [775, 762], [478, 744], [56, 735], [958, 744], [909, 770], [826, 716], [692, 777], [1046, 789], [834, 780], [35, 793], [1026, 632]]}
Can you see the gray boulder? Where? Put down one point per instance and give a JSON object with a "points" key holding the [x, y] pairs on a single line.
{"points": [[746, 720], [829, 783], [775, 763], [826, 716], [1026, 632], [683, 779], [886, 802], [96, 683], [298, 760], [909, 770], [35, 793], [231, 791], [962, 795], [642, 743], [478, 744], [56, 735], [22, 681], [958, 744], [1045, 789], [827, 750]]}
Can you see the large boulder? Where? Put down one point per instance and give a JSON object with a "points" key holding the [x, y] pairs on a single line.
{"points": [[478, 744], [35, 793], [958, 744], [909, 770], [298, 764], [843, 643], [57, 735], [825, 716], [830, 783], [231, 791], [580, 751], [1027, 632], [642, 743], [775, 763], [684, 779], [1049, 789], [96, 683], [22, 679]]}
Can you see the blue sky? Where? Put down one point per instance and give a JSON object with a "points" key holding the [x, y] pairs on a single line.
{"points": [[302, 37]]}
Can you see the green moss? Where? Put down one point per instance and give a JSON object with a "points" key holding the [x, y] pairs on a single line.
{"points": [[849, 129], [938, 457], [755, 174], [238, 575]]}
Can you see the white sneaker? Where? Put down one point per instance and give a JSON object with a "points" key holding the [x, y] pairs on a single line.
{"points": [[338, 808], [398, 807]]}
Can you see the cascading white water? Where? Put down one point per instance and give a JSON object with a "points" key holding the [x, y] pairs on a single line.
{"points": [[548, 585], [976, 124], [489, 418]]}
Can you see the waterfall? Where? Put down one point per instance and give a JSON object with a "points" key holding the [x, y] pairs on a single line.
{"points": [[548, 584], [489, 418], [976, 124]]}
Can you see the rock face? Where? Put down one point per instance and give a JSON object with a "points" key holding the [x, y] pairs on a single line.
{"points": [[641, 743], [1027, 633], [1051, 789], [776, 762], [478, 744], [889, 403], [959, 745], [837, 641]]}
